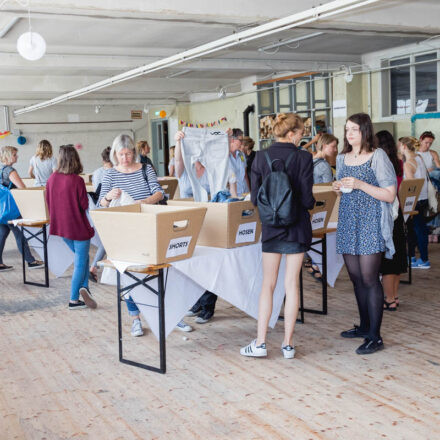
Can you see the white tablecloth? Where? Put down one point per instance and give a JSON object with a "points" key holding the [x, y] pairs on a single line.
{"points": [[235, 275]]}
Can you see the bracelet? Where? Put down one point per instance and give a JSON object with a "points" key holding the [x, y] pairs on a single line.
{"points": [[107, 200]]}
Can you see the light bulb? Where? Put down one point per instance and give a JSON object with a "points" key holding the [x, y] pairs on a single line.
{"points": [[31, 46]]}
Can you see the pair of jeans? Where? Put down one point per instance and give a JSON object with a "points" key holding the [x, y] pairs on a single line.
{"points": [[206, 302], [100, 252], [418, 232], [80, 277], [4, 232], [210, 147]]}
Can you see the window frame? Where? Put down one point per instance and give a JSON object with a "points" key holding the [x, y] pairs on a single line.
{"points": [[385, 84]]}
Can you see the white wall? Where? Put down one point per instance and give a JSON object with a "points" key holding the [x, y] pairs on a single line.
{"points": [[93, 136]]}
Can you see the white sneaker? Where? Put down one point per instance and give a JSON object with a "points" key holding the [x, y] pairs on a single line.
{"points": [[253, 350], [288, 351], [183, 326], [136, 328]]}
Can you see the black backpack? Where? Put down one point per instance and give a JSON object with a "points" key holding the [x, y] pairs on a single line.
{"points": [[275, 199]]}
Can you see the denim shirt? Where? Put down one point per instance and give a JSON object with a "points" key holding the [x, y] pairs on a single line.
{"points": [[386, 176], [322, 171]]}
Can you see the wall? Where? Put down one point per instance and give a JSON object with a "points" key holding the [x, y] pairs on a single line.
{"points": [[93, 136]]}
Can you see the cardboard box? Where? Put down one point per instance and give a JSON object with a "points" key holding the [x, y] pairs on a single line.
{"points": [[149, 234], [321, 213], [169, 185], [327, 187], [409, 193], [226, 225], [28, 181], [31, 202]]}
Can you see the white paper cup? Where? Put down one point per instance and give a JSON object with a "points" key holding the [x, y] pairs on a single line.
{"points": [[345, 190]]}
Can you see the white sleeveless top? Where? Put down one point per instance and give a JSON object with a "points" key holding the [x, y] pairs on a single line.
{"points": [[427, 158], [420, 173]]}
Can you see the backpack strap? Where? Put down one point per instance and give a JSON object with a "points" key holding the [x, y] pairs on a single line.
{"points": [[144, 172], [269, 162], [286, 164]]}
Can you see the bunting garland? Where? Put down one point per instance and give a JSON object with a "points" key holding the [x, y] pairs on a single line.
{"points": [[208, 124], [3, 134]]}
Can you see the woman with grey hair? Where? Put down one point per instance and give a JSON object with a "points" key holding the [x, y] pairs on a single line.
{"points": [[140, 182]]}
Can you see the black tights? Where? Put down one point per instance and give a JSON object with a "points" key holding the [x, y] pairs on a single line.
{"points": [[364, 274]]}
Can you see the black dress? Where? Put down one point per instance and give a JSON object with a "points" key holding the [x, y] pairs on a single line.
{"points": [[399, 263]]}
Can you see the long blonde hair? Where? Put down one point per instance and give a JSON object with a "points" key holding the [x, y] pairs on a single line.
{"points": [[44, 150]]}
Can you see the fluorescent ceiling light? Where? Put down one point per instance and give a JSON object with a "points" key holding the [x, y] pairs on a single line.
{"points": [[182, 72], [291, 40], [301, 18], [9, 26]]}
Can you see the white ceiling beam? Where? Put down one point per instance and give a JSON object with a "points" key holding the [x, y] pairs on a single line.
{"points": [[321, 12]]}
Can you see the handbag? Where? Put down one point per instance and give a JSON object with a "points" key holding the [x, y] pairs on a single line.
{"points": [[8, 207], [144, 172]]}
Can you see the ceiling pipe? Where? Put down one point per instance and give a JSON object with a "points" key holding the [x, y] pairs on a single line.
{"points": [[9, 26], [320, 12], [249, 109]]}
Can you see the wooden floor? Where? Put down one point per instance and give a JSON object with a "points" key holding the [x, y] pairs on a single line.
{"points": [[60, 377]]}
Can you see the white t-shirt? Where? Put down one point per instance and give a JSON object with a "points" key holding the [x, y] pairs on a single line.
{"points": [[42, 169]]}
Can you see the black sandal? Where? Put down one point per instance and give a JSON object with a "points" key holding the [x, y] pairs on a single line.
{"points": [[389, 304], [315, 273], [308, 263], [396, 299]]}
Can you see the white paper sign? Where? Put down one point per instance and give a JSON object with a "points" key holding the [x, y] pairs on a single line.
{"points": [[340, 108], [246, 233], [178, 246], [318, 220], [409, 203]]}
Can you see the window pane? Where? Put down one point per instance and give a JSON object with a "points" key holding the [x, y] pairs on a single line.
{"points": [[284, 96], [426, 84], [400, 87]]}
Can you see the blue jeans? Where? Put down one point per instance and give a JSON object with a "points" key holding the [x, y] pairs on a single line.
{"points": [[418, 232], [4, 232], [435, 178], [132, 307], [80, 277]]}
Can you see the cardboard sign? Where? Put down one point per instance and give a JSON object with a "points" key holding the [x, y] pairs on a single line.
{"points": [[178, 246], [246, 233], [318, 220], [409, 204]]}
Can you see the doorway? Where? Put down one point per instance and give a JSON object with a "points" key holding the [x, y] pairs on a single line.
{"points": [[159, 137]]}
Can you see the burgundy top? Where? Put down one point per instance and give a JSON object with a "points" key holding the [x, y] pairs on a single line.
{"points": [[67, 201]]}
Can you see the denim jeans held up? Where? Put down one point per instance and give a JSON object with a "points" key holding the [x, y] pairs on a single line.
{"points": [[80, 277], [4, 232]]}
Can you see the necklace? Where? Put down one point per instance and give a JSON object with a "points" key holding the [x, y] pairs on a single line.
{"points": [[356, 154]]}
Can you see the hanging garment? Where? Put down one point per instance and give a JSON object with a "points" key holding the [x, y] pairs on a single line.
{"points": [[210, 147]]}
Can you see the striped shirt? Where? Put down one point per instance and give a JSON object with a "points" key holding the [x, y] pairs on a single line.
{"points": [[132, 183]]}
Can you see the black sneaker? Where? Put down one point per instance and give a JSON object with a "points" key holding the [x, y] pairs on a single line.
{"points": [[354, 332], [79, 305], [36, 264], [370, 346], [4, 268], [204, 316]]}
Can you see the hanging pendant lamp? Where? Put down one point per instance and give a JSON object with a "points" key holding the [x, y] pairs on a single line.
{"points": [[31, 45]]}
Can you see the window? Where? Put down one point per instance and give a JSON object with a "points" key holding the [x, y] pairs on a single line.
{"points": [[400, 87], [412, 83], [426, 84]]}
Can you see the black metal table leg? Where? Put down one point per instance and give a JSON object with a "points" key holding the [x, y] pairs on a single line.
{"points": [[160, 293], [43, 241]]}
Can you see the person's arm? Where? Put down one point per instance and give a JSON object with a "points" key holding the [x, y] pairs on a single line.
{"points": [[435, 158], [306, 182], [256, 180], [247, 178], [385, 176], [82, 195], [157, 191], [16, 180], [408, 170], [171, 170], [178, 158], [31, 172], [107, 193], [313, 141]]}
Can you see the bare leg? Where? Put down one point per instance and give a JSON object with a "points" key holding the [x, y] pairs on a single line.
{"points": [[291, 285], [271, 264], [388, 282]]}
